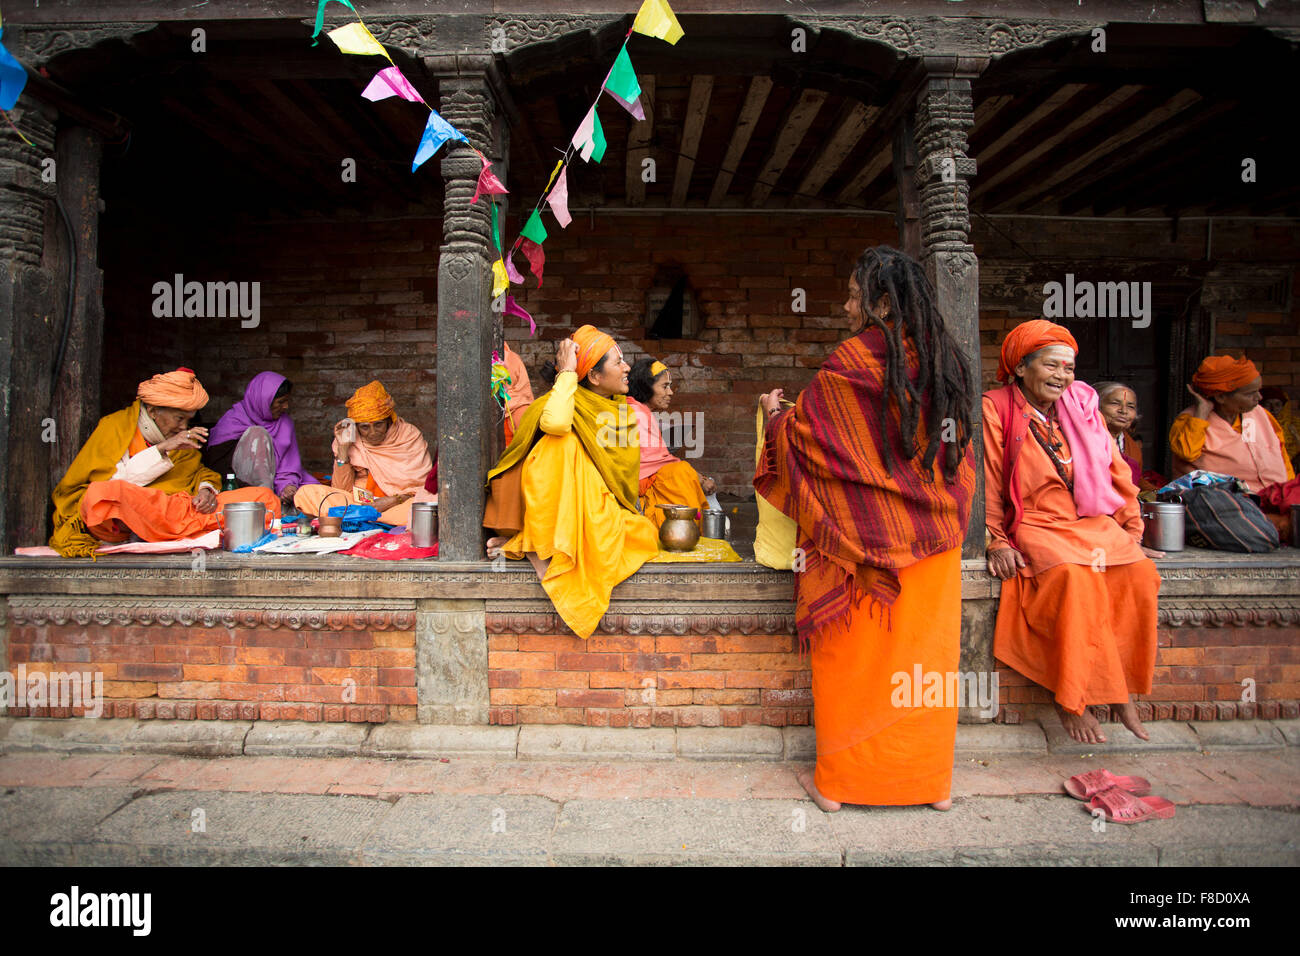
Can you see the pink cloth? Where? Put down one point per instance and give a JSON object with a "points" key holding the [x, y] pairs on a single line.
{"points": [[654, 453], [210, 541], [1091, 445], [390, 547]]}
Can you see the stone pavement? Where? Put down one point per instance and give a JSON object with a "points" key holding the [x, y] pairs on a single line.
{"points": [[226, 793]]}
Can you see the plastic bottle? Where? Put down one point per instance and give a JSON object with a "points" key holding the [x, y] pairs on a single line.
{"points": [[230, 484]]}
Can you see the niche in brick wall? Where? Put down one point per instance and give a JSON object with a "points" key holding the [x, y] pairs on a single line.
{"points": [[671, 311]]}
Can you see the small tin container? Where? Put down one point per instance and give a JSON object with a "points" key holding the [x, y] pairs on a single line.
{"points": [[424, 524], [713, 524]]}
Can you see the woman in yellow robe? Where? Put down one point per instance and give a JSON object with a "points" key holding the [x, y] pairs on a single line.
{"points": [[564, 492], [664, 479]]}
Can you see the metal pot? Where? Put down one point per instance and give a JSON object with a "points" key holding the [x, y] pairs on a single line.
{"points": [[1163, 525], [679, 532], [713, 524], [242, 523], [327, 526], [424, 524]]}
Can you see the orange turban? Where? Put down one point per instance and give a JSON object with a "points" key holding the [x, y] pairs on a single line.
{"points": [[592, 346], [1028, 337], [1223, 373], [370, 403], [178, 389]]}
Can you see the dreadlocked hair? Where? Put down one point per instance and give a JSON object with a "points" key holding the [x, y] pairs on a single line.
{"points": [[942, 390]]}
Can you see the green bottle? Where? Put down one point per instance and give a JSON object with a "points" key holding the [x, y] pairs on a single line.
{"points": [[229, 484]]}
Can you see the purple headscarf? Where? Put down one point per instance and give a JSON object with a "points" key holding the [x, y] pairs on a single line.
{"points": [[255, 410]]}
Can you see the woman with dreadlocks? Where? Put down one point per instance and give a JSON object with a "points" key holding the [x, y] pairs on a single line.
{"points": [[1078, 608], [873, 463]]}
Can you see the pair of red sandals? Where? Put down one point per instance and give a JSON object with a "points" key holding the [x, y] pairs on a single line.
{"points": [[1121, 799]]}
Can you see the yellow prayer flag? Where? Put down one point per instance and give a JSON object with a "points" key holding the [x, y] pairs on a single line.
{"points": [[355, 38], [656, 19], [500, 282], [559, 163]]}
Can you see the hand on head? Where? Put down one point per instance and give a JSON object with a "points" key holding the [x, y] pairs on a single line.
{"points": [[566, 356]]}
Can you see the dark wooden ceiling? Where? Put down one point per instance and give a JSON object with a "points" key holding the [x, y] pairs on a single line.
{"points": [[1159, 124]]}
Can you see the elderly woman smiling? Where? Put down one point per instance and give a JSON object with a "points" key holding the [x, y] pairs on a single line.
{"points": [[1078, 607]]}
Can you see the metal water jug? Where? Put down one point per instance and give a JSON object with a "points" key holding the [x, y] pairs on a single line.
{"points": [[424, 524], [1163, 525], [713, 524], [242, 523]]}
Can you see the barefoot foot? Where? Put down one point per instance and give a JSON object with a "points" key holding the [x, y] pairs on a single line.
{"points": [[806, 778], [943, 804], [1081, 727], [539, 565], [1128, 716], [494, 547]]}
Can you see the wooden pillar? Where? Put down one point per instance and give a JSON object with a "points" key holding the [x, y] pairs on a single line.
{"points": [[944, 115], [77, 389], [467, 415], [33, 280]]}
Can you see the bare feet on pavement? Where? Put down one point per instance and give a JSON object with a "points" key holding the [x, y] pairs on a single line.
{"points": [[1128, 716], [1082, 727], [806, 778]]}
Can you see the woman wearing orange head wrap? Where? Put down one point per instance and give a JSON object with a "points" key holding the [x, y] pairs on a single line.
{"points": [[140, 473], [386, 469], [564, 493], [1077, 613], [1227, 430]]}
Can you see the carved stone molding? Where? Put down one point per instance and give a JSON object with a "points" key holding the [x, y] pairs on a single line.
{"points": [[1263, 612], [336, 615], [929, 36], [414, 35], [649, 618], [451, 663], [36, 45], [520, 31]]}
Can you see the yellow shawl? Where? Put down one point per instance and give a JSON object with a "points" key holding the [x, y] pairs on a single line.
{"points": [[606, 427], [97, 461]]}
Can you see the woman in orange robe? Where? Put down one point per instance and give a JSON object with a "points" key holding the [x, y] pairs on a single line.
{"points": [[564, 492], [140, 474], [874, 465], [1077, 613], [386, 469], [665, 478]]}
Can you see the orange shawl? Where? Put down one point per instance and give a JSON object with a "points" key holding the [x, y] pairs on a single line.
{"points": [[823, 466]]}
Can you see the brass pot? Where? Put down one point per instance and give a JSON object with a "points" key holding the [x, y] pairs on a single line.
{"points": [[330, 527], [680, 531]]}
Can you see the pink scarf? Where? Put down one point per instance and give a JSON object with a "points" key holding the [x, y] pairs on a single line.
{"points": [[1090, 444], [654, 453]]}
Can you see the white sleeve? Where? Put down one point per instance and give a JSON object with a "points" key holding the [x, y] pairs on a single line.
{"points": [[144, 468]]}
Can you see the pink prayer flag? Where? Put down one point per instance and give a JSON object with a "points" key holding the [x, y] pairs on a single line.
{"points": [[535, 256], [391, 82], [512, 273], [488, 183], [582, 139], [514, 308], [558, 199]]}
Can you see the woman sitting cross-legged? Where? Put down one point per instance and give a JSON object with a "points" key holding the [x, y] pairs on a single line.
{"points": [[665, 478], [564, 492]]}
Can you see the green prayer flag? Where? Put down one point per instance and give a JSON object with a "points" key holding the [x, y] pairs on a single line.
{"points": [[496, 230], [320, 17], [622, 80], [597, 137], [533, 228]]}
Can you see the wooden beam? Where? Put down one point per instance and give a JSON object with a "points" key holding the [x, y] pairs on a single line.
{"points": [[1112, 102], [880, 161], [1150, 120], [638, 143], [853, 125], [697, 111], [1016, 132], [794, 126], [755, 99], [909, 197], [255, 160]]}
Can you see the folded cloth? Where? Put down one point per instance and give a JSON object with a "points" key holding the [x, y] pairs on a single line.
{"points": [[210, 541], [390, 547]]}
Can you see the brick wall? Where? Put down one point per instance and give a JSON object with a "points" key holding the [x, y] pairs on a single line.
{"points": [[344, 302], [206, 673], [642, 681]]}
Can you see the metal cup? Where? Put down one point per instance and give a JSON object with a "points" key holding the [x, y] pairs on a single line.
{"points": [[424, 524], [242, 524], [1163, 525], [714, 524]]}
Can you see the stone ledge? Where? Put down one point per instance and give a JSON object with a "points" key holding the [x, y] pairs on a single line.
{"points": [[430, 741], [1217, 735], [595, 743], [289, 738], [730, 743], [1165, 736]]}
